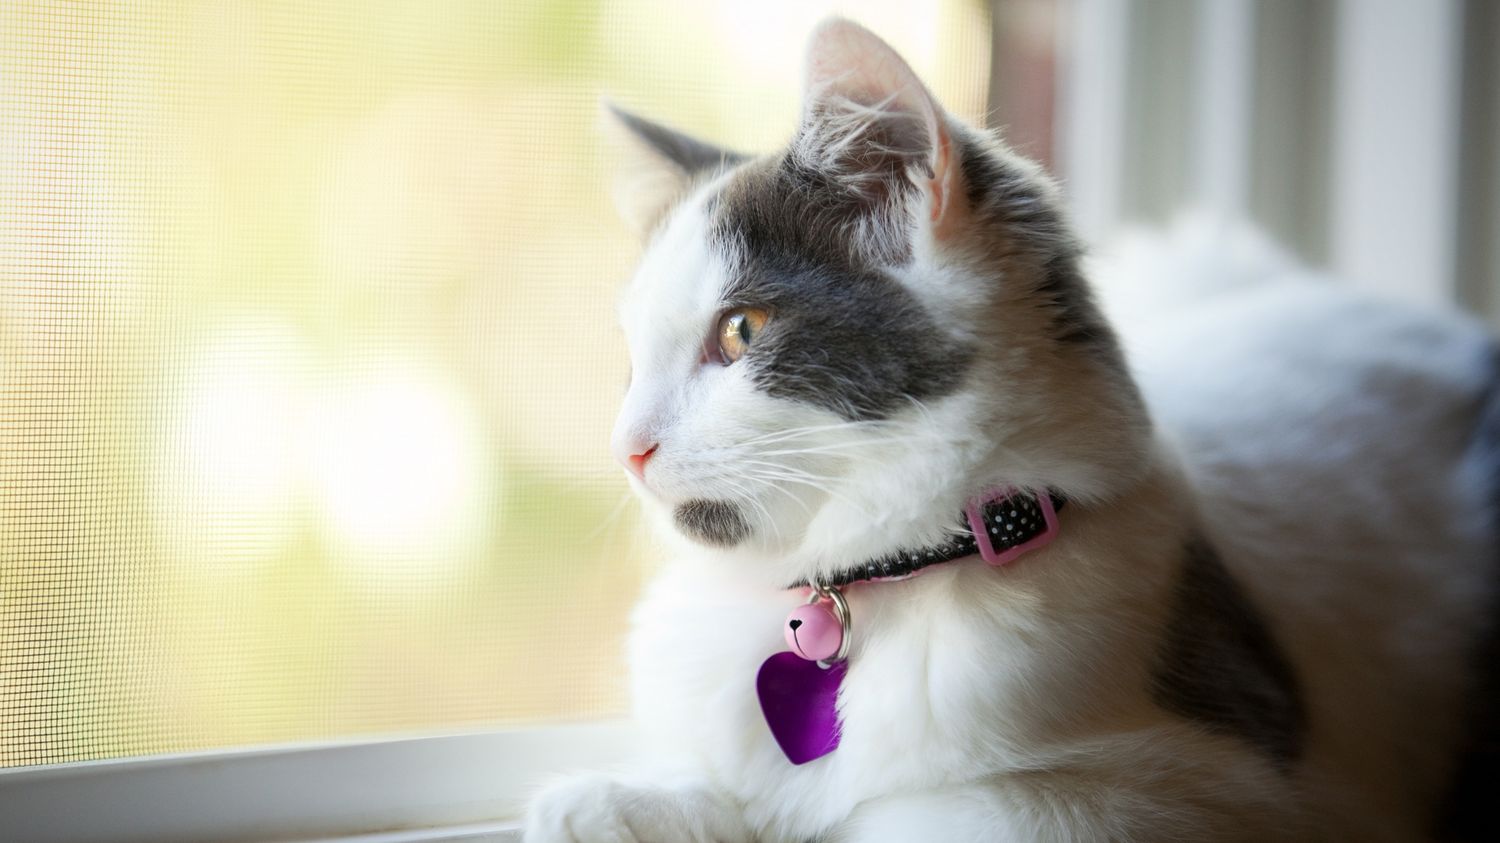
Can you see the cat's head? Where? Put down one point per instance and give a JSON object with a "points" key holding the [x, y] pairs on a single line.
{"points": [[836, 345]]}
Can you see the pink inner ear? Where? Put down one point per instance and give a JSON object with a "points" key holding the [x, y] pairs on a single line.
{"points": [[941, 157]]}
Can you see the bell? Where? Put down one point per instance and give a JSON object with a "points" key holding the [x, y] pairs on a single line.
{"points": [[813, 631]]}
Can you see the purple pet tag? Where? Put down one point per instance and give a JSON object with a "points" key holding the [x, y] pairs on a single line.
{"points": [[798, 698], [798, 694]]}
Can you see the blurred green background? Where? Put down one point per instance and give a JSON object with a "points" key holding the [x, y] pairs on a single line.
{"points": [[308, 357]]}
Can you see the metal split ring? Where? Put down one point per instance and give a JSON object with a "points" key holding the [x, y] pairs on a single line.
{"points": [[840, 611]]}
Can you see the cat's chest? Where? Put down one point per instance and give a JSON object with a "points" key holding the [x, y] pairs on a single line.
{"points": [[910, 710], [696, 648]]}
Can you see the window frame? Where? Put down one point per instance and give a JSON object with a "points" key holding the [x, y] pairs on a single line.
{"points": [[449, 786], [455, 786]]}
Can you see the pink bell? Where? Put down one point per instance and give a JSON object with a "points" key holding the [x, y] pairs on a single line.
{"points": [[813, 631]]}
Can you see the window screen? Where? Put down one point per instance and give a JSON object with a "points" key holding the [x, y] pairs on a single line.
{"points": [[308, 358]]}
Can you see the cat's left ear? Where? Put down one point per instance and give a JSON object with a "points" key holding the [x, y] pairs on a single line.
{"points": [[660, 166], [870, 124]]}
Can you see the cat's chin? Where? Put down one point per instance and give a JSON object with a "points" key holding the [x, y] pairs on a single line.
{"points": [[718, 524]]}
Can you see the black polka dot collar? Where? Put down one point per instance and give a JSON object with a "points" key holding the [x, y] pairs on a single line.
{"points": [[998, 526]]}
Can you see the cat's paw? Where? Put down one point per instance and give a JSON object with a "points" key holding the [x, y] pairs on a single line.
{"points": [[598, 808]]}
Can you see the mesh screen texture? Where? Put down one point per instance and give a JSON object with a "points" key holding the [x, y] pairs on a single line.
{"points": [[308, 357]]}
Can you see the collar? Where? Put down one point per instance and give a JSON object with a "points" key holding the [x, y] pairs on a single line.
{"points": [[998, 525], [798, 689]]}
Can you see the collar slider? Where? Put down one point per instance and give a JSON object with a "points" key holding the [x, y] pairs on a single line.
{"points": [[993, 527]]}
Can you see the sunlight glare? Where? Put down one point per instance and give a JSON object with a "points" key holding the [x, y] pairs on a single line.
{"points": [[400, 470]]}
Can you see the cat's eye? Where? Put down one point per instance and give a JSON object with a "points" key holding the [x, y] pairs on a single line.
{"points": [[738, 328]]}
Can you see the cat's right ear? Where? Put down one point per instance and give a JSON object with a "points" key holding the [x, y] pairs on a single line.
{"points": [[659, 166]]}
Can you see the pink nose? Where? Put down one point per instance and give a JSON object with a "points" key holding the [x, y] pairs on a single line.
{"points": [[637, 462]]}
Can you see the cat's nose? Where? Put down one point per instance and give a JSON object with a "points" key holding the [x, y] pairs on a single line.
{"points": [[636, 463]]}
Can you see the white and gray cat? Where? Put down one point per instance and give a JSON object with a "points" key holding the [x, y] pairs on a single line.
{"points": [[1275, 550]]}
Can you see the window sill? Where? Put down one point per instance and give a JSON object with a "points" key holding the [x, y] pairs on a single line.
{"points": [[466, 787], [501, 832]]}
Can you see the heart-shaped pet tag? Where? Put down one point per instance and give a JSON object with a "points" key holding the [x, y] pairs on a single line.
{"points": [[799, 700]]}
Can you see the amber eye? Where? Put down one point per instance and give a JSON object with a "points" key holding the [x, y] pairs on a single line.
{"points": [[738, 329]]}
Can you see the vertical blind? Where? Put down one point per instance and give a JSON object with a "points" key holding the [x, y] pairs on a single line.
{"points": [[1364, 135], [308, 358]]}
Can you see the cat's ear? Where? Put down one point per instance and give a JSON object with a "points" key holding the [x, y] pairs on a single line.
{"points": [[869, 123], [659, 165]]}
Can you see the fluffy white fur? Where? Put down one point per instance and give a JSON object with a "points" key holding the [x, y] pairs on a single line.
{"points": [[1319, 439]]}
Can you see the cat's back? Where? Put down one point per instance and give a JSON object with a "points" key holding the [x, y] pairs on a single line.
{"points": [[1303, 400], [1344, 454]]}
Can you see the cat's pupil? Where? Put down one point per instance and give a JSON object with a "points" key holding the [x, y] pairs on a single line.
{"points": [[742, 327]]}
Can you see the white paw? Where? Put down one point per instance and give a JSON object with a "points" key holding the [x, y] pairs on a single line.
{"points": [[598, 808]]}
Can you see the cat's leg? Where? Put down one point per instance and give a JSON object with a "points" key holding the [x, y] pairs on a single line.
{"points": [[639, 808], [997, 814], [967, 814], [1239, 802]]}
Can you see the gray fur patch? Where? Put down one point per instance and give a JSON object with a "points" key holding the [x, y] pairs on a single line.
{"points": [[712, 522], [844, 334], [815, 242], [1074, 319], [1219, 664], [864, 167]]}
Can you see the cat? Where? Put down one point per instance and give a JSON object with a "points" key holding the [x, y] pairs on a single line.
{"points": [[1266, 567]]}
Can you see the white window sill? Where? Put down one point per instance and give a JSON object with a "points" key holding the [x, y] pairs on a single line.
{"points": [[501, 832], [455, 787]]}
